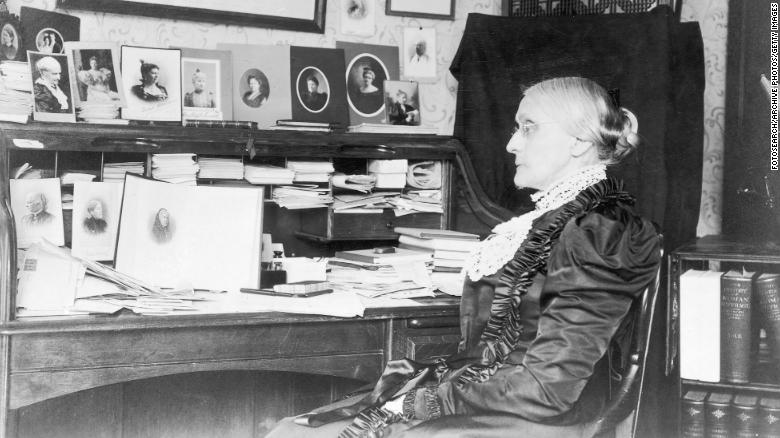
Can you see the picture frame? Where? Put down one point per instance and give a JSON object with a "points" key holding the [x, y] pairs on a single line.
{"points": [[435, 9], [95, 69], [96, 207], [418, 54], [295, 15], [207, 83], [37, 208], [357, 17], [402, 100], [52, 87], [11, 44], [47, 31], [367, 104], [151, 80]]}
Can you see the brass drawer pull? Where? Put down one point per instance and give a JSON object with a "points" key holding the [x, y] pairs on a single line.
{"points": [[434, 322]]}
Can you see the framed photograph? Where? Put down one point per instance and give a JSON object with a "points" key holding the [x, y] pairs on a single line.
{"points": [[37, 208], [296, 15], [317, 85], [11, 48], [419, 53], [206, 84], [402, 99], [357, 17], [96, 208], [368, 66], [95, 69], [205, 237], [151, 79], [438, 9], [46, 31], [51, 85]]}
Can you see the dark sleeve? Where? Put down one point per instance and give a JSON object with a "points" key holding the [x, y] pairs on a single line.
{"points": [[600, 264], [44, 100]]}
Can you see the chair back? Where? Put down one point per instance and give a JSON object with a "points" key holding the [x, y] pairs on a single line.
{"points": [[626, 398]]}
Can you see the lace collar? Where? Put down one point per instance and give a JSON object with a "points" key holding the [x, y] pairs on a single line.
{"points": [[500, 247]]}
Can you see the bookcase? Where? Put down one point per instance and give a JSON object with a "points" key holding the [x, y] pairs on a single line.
{"points": [[54, 364], [724, 408]]}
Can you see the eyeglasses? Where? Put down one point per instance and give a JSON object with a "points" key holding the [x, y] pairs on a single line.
{"points": [[525, 128]]}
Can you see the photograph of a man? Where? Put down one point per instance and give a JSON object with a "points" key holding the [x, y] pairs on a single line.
{"points": [[420, 52], [94, 223], [35, 202], [37, 209], [51, 87]]}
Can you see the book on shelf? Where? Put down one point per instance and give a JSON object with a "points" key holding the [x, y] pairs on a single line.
{"points": [[398, 255], [744, 412], [302, 287], [437, 243], [438, 253], [735, 325], [717, 408], [432, 233], [767, 294], [692, 419], [700, 325], [243, 124], [769, 417]]}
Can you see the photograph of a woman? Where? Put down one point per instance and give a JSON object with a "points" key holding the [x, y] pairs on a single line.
{"points": [[151, 80], [313, 89], [9, 42], [97, 83], [365, 77], [150, 89], [162, 227], [256, 84], [403, 103], [93, 219], [96, 207]]}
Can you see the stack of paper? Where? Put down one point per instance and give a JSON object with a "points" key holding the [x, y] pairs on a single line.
{"points": [[389, 174], [175, 168], [26, 171], [398, 279], [370, 203], [68, 178], [47, 279], [267, 174], [220, 168], [358, 183], [410, 203], [100, 113], [115, 172], [295, 197], [311, 171], [15, 91], [393, 129]]}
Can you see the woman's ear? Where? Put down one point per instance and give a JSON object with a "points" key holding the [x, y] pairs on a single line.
{"points": [[580, 147]]}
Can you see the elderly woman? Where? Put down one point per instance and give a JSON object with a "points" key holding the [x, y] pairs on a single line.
{"points": [[47, 92], [543, 296], [149, 90]]}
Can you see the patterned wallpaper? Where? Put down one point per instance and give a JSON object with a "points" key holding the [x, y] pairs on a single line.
{"points": [[712, 16], [438, 106], [438, 98]]}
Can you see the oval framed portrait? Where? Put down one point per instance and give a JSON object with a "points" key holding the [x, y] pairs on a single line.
{"points": [[49, 40], [254, 88], [10, 39], [313, 89], [366, 75]]}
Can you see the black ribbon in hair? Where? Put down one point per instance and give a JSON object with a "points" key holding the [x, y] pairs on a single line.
{"points": [[614, 95]]}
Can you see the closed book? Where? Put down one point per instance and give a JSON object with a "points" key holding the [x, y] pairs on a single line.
{"points": [[445, 244], [717, 409], [302, 286], [450, 263], [767, 294], [692, 416], [769, 418], [735, 323], [399, 255], [700, 325], [431, 233], [744, 414]]}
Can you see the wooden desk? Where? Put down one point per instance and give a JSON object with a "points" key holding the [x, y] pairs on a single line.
{"points": [[46, 359]]}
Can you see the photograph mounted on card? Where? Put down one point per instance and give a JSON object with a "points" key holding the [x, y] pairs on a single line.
{"points": [[206, 84], [46, 31], [37, 208], [151, 79], [419, 54], [368, 66], [205, 237], [436, 9], [358, 17], [11, 47], [402, 99], [94, 66], [95, 223], [261, 83], [317, 85], [52, 87]]}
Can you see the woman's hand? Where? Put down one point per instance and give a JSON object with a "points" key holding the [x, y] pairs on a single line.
{"points": [[396, 405]]}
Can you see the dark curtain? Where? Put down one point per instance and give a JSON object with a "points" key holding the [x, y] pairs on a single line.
{"points": [[655, 66]]}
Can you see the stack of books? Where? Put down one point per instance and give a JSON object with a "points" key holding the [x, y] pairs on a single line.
{"points": [[105, 113], [267, 174], [720, 414], [382, 272], [448, 248], [292, 125], [297, 198], [15, 92], [389, 174], [220, 168], [115, 172], [311, 171], [383, 128], [175, 168]]}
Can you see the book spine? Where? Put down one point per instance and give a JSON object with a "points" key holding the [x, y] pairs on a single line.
{"points": [[718, 419], [735, 339], [769, 418], [220, 124], [768, 303], [692, 420], [744, 417]]}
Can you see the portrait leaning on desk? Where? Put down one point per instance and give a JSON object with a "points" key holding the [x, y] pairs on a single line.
{"points": [[543, 296]]}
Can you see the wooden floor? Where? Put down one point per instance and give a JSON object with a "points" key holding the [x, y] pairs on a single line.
{"points": [[234, 404]]}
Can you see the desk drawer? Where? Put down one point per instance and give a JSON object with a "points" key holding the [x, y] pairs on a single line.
{"points": [[426, 339], [332, 226]]}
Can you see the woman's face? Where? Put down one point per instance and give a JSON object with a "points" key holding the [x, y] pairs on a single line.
{"points": [[312, 86], [97, 212], [368, 78], [254, 85], [163, 217], [6, 37], [152, 76], [93, 64], [542, 149]]}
